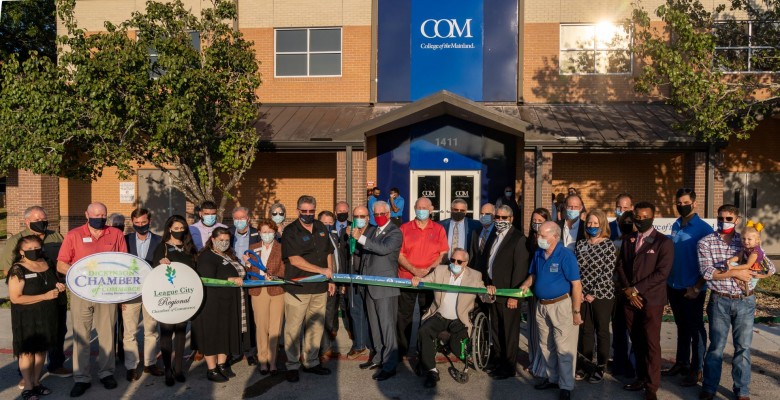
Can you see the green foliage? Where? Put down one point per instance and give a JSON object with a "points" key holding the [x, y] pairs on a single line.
{"points": [[688, 67], [26, 26], [189, 111]]}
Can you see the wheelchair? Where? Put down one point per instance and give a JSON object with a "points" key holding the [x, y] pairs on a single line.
{"points": [[477, 346]]}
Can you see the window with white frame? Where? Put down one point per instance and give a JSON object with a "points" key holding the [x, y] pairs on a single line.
{"points": [[308, 52], [747, 46], [153, 56], [595, 49]]}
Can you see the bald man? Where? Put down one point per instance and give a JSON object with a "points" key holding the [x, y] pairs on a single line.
{"points": [[90, 238]]}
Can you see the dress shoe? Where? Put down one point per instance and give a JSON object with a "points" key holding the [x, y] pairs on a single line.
{"points": [[564, 394], [79, 389], [546, 384], [431, 378], [109, 382], [153, 370], [317, 370], [169, 381], [215, 376], [502, 374], [225, 370], [635, 386], [650, 396], [706, 395], [179, 376], [353, 354], [383, 375], [251, 360], [369, 365], [132, 375], [677, 369], [691, 379], [292, 375]]}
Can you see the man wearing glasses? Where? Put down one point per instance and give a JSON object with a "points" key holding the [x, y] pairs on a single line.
{"points": [[306, 250]]}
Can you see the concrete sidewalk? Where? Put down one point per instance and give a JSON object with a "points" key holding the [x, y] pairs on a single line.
{"points": [[349, 382]]}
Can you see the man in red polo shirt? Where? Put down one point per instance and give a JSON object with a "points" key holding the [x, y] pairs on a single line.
{"points": [[90, 238], [425, 243]]}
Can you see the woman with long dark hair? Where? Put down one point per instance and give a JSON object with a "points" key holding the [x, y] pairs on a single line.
{"points": [[537, 367], [176, 246]]}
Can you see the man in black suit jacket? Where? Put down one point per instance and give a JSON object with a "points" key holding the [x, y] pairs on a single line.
{"points": [[572, 222], [507, 268], [141, 243], [341, 248], [459, 227], [482, 239]]}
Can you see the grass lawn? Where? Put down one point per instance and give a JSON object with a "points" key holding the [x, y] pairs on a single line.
{"points": [[771, 284]]}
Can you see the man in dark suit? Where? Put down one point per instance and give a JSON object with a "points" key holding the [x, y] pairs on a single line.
{"points": [[482, 239], [355, 298], [380, 247], [327, 348], [506, 268], [623, 202], [141, 243], [646, 259], [572, 226], [459, 228], [509, 199]]}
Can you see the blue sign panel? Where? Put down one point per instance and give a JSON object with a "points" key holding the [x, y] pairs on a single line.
{"points": [[446, 46]]}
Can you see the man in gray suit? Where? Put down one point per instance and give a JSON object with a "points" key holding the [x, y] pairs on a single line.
{"points": [[381, 246]]}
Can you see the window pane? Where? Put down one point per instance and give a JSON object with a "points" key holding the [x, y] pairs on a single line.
{"points": [[613, 62], [765, 60], [577, 62], [291, 64], [325, 64], [195, 37], [731, 34], [325, 40], [765, 34], [577, 37], [611, 36], [291, 40], [731, 60]]}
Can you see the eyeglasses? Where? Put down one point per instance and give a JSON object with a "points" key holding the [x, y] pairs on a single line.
{"points": [[277, 213], [306, 212], [727, 219], [360, 216], [459, 262], [502, 217], [483, 214], [380, 214], [459, 211]]}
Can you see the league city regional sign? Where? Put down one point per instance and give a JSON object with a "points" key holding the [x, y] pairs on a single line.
{"points": [[109, 277], [172, 293]]}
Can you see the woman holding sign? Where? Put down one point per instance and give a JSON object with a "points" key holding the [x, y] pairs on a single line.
{"points": [[33, 290], [219, 327], [177, 246]]}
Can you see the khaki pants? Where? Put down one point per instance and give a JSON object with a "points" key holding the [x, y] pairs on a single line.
{"points": [[303, 315], [87, 315], [130, 314], [269, 311], [558, 338]]}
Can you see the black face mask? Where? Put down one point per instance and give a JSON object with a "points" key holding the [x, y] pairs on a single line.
{"points": [[99, 223], [39, 226], [141, 229], [626, 228], [307, 219], [342, 217], [458, 216], [685, 210], [33, 255], [643, 225], [178, 235]]}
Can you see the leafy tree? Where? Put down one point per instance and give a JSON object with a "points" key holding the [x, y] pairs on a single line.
{"points": [[688, 65], [164, 88], [28, 25]]}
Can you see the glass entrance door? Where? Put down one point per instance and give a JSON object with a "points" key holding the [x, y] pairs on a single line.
{"points": [[442, 187]]}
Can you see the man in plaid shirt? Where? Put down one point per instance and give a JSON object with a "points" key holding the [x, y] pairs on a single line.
{"points": [[729, 307]]}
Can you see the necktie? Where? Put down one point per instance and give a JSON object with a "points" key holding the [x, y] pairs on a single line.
{"points": [[640, 239], [483, 239], [455, 237]]}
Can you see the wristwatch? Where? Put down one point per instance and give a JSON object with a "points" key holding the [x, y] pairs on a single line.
{"points": [[575, 311]]}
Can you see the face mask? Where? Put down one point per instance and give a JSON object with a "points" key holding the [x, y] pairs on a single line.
{"points": [[572, 214], [543, 243], [685, 210], [626, 228], [267, 237], [486, 219], [360, 223], [502, 225], [535, 226], [508, 194], [240, 224], [178, 235], [726, 227], [381, 220], [278, 219], [342, 217], [306, 219], [643, 225], [209, 220], [141, 229], [618, 213], [422, 215], [222, 245], [33, 255], [39, 226], [99, 223], [455, 268], [330, 228], [458, 216], [592, 231]]}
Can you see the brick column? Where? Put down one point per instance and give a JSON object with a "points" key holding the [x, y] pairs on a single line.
{"points": [[341, 175], [25, 189], [529, 186], [547, 178], [358, 178]]}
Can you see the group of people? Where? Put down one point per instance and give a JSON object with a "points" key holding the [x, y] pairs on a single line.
{"points": [[586, 274]]}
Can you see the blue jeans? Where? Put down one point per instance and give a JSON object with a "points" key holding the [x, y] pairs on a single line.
{"points": [[725, 314], [691, 335], [361, 339]]}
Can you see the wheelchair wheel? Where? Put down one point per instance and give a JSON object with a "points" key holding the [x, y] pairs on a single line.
{"points": [[480, 341]]}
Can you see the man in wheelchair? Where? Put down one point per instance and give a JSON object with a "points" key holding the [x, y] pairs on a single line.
{"points": [[448, 313]]}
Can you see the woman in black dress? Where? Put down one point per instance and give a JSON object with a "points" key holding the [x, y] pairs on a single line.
{"points": [[221, 323], [33, 290], [176, 246]]}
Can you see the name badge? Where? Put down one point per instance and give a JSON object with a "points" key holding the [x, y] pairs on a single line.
{"points": [[253, 234], [86, 240], [554, 267], [306, 238], [28, 276]]}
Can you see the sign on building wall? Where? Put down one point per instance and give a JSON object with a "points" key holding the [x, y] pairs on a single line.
{"points": [[468, 47], [127, 192]]}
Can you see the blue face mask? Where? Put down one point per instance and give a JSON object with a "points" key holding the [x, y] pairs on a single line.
{"points": [[455, 268], [572, 214], [360, 223], [240, 224], [618, 213], [592, 231], [486, 219], [422, 215], [543, 243], [209, 220]]}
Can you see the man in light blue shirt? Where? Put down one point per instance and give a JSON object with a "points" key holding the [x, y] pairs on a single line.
{"points": [[396, 206]]}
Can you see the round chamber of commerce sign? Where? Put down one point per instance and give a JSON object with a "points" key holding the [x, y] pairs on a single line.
{"points": [[109, 277], [172, 293]]}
